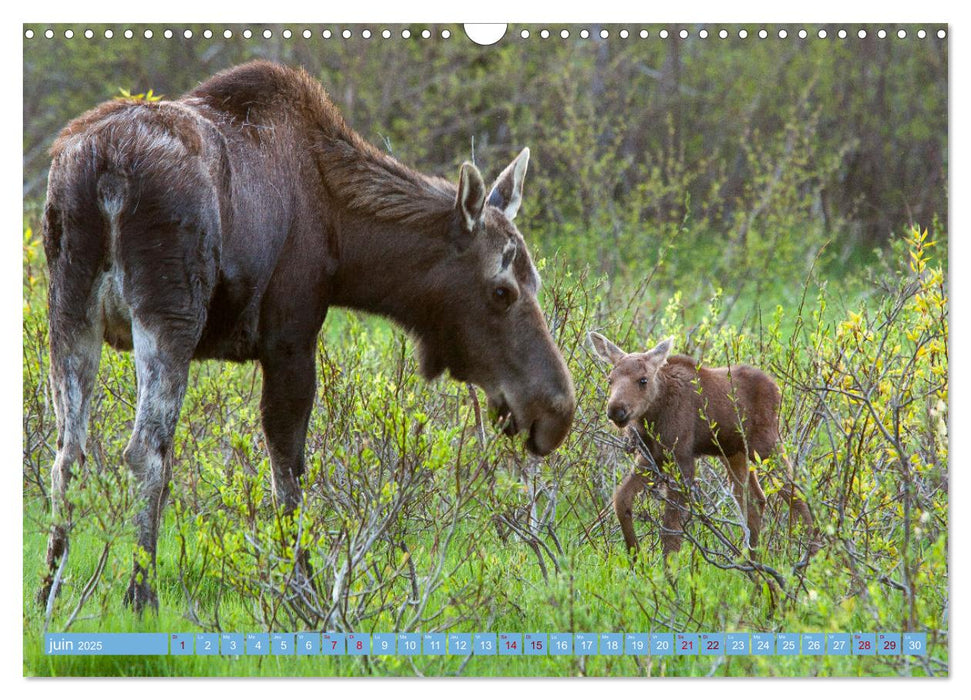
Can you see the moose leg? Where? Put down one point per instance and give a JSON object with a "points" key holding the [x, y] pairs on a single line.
{"points": [[289, 384], [162, 372], [798, 508], [675, 502], [75, 355], [748, 494], [624, 496], [756, 494], [672, 522]]}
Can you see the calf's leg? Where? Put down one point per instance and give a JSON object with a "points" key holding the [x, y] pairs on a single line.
{"points": [[798, 508], [748, 494], [672, 523], [624, 496], [675, 508]]}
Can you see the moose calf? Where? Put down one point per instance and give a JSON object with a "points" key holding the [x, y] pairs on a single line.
{"points": [[680, 411]]}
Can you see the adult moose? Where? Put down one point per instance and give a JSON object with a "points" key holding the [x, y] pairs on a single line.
{"points": [[224, 224]]}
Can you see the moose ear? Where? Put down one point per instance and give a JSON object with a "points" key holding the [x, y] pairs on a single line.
{"points": [[605, 349], [507, 190], [661, 350], [470, 201]]}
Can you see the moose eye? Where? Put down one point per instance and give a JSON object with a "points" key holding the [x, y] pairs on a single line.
{"points": [[503, 296], [643, 381]]}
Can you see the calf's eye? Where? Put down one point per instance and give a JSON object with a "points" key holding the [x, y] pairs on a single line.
{"points": [[643, 381]]}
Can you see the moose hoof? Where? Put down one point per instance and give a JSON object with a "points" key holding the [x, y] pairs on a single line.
{"points": [[140, 596], [671, 549]]}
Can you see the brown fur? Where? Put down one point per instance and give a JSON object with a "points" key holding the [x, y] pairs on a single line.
{"points": [[681, 411]]}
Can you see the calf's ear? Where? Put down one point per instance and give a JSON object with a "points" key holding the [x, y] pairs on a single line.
{"points": [[661, 351], [605, 349]]}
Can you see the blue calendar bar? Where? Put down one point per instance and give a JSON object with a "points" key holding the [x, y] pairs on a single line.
{"points": [[114, 644], [491, 644]]}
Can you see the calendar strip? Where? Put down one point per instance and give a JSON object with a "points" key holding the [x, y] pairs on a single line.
{"points": [[490, 644]]}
